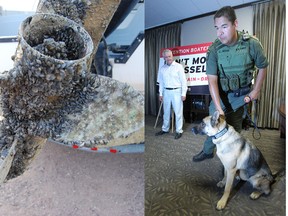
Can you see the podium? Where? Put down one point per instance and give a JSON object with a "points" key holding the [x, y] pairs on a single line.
{"points": [[197, 103], [194, 106]]}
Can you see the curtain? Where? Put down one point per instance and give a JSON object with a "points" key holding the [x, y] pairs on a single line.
{"points": [[156, 39], [269, 27]]}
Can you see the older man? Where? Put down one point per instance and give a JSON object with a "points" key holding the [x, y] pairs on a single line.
{"points": [[172, 91]]}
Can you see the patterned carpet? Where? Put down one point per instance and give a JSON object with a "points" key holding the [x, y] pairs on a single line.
{"points": [[175, 185]]}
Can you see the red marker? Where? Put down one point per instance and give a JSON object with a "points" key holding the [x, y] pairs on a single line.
{"points": [[113, 150], [75, 146]]}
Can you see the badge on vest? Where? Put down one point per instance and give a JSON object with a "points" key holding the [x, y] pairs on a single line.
{"points": [[245, 35]]}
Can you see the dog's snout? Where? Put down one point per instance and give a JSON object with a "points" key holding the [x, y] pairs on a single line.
{"points": [[195, 130], [199, 129]]}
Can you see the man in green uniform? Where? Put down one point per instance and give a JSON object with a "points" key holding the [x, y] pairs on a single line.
{"points": [[232, 61]]}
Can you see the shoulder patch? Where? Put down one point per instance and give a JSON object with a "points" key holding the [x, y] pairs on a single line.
{"points": [[245, 36]]}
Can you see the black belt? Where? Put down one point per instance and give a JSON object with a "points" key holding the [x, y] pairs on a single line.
{"points": [[241, 91], [171, 88]]}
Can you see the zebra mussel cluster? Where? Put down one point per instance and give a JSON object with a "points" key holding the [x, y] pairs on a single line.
{"points": [[50, 73], [72, 9], [50, 85], [51, 93], [115, 115]]}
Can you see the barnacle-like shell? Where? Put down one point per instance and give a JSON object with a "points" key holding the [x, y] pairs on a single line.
{"points": [[50, 92]]}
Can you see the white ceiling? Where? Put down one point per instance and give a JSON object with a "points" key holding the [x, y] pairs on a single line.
{"points": [[161, 12]]}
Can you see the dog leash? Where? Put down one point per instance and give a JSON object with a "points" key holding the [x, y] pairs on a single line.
{"points": [[254, 123]]}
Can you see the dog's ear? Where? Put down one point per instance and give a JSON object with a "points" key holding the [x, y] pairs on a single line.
{"points": [[214, 119], [222, 117]]}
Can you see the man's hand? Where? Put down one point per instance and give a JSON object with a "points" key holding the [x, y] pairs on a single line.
{"points": [[221, 112], [183, 98], [160, 98], [254, 95]]}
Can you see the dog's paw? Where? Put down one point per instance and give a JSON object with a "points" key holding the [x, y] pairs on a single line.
{"points": [[221, 204], [255, 195], [221, 184]]}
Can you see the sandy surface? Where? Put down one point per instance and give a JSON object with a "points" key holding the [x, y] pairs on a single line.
{"points": [[63, 181]]}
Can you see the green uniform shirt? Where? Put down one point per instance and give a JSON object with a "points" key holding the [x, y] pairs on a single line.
{"points": [[240, 59]]}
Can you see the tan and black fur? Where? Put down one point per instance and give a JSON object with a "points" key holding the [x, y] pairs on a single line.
{"points": [[238, 155]]}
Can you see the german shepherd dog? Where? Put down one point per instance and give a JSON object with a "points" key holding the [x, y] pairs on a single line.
{"points": [[238, 156]]}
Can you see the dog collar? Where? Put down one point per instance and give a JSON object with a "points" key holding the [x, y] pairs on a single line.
{"points": [[221, 133]]}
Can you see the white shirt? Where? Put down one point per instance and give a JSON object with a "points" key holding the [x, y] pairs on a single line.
{"points": [[172, 76]]}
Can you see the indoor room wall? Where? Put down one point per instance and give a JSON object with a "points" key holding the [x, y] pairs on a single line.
{"points": [[202, 30]]}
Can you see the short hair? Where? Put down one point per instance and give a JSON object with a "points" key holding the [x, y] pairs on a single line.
{"points": [[166, 51], [227, 12]]}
